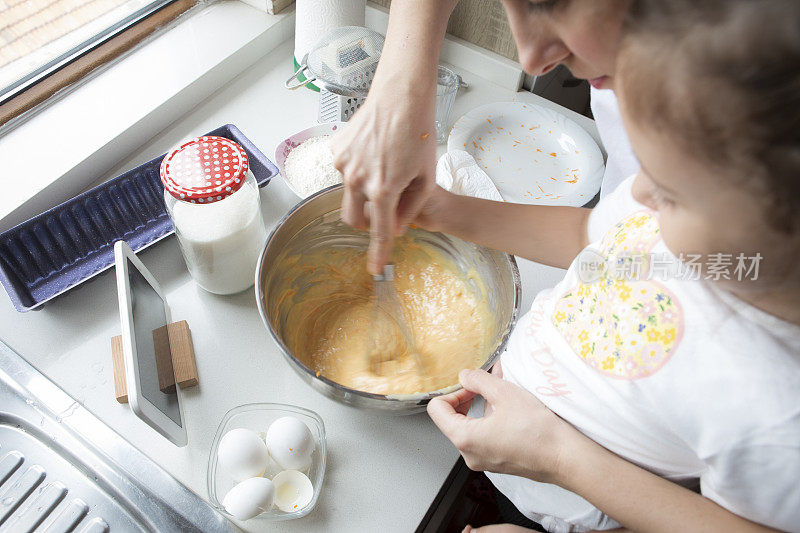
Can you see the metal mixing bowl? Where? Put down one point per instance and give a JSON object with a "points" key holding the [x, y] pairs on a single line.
{"points": [[317, 220]]}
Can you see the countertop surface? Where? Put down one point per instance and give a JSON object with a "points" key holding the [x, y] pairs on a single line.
{"points": [[381, 470]]}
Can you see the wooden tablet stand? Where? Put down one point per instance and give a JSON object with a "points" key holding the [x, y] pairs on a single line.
{"points": [[175, 338]]}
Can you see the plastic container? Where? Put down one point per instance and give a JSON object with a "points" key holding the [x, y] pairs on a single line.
{"points": [[447, 84], [212, 198], [258, 417]]}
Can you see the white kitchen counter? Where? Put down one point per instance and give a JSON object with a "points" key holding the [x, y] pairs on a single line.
{"points": [[382, 471]]}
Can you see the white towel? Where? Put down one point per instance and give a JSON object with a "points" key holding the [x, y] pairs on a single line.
{"points": [[458, 172]]}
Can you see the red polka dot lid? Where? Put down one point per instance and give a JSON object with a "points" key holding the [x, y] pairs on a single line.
{"points": [[204, 170]]}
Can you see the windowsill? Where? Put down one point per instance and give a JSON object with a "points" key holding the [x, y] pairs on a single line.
{"points": [[78, 140], [70, 144]]}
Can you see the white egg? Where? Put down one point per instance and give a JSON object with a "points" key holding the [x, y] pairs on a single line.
{"points": [[293, 490], [250, 498], [290, 443], [242, 454]]}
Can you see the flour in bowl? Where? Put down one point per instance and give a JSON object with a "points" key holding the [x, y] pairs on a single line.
{"points": [[309, 166]]}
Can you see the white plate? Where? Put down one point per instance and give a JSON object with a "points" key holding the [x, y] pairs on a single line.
{"points": [[534, 155], [295, 140]]}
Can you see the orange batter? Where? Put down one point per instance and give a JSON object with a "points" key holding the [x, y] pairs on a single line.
{"points": [[331, 318]]}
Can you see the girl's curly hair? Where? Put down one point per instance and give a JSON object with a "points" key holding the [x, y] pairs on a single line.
{"points": [[722, 79]]}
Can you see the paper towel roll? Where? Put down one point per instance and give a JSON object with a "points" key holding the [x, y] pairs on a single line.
{"points": [[315, 18]]}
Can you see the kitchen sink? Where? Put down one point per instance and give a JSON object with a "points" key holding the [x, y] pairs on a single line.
{"points": [[62, 469]]}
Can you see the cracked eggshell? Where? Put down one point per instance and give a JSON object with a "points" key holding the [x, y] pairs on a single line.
{"points": [[293, 491]]}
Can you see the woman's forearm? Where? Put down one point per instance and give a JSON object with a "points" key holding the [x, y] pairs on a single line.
{"points": [[387, 154], [546, 234], [414, 39], [640, 500]]}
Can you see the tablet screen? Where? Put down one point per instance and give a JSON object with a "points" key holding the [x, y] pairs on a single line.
{"points": [[150, 333]]}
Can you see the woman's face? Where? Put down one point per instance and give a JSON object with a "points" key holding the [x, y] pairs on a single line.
{"points": [[581, 34]]}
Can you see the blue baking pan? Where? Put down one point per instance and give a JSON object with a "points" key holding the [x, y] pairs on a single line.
{"points": [[57, 250]]}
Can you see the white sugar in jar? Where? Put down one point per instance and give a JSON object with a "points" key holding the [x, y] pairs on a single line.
{"points": [[213, 199]]}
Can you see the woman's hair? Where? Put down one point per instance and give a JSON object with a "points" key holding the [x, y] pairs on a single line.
{"points": [[722, 79]]}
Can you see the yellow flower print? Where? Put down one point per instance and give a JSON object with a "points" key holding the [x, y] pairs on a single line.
{"points": [[624, 293], [623, 328], [669, 335]]}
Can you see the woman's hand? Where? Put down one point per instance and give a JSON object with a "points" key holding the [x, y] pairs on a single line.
{"points": [[517, 435], [387, 155]]}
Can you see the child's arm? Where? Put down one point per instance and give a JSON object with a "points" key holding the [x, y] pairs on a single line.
{"points": [[550, 235]]}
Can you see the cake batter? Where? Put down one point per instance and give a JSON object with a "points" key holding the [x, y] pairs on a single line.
{"points": [[331, 319]]}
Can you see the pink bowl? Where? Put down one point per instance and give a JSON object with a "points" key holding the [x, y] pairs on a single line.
{"points": [[293, 141]]}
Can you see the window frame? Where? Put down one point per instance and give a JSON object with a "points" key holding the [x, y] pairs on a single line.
{"points": [[76, 64]]}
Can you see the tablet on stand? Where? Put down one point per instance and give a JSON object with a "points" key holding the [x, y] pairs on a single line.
{"points": [[150, 376]]}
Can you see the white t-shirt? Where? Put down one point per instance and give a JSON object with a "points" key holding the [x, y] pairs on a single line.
{"points": [[672, 374], [620, 161]]}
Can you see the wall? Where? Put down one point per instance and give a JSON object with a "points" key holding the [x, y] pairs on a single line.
{"points": [[482, 22]]}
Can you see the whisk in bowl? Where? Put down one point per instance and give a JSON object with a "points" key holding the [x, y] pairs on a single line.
{"points": [[389, 318]]}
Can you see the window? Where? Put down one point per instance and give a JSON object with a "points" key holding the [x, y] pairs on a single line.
{"points": [[46, 45]]}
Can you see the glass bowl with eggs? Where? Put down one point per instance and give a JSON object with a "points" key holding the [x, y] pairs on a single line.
{"points": [[267, 462]]}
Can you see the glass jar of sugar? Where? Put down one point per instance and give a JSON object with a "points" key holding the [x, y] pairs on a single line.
{"points": [[213, 200]]}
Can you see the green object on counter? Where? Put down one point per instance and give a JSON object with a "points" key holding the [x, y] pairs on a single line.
{"points": [[300, 77]]}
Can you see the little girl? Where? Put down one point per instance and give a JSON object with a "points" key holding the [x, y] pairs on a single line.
{"points": [[674, 339]]}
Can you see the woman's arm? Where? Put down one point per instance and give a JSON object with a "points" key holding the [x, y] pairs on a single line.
{"points": [[387, 153], [518, 435], [549, 235], [641, 500]]}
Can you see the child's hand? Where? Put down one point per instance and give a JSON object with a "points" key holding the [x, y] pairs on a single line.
{"points": [[518, 435], [433, 213]]}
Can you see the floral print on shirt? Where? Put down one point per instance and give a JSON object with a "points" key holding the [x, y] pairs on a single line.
{"points": [[623, 326]]}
